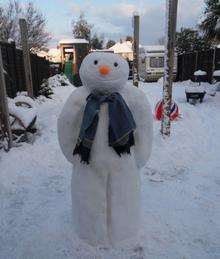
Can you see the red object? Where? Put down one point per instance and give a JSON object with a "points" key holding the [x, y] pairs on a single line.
{"points": [[174, 113]]}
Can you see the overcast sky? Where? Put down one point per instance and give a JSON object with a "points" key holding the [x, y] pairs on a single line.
{"points": [[114, 18]]}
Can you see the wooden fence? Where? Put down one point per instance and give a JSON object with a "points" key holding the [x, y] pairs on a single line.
{"points": [[204, 60], [14, 67]]}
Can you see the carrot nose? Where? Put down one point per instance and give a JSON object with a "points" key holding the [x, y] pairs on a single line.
{"points": [[104, 70]]}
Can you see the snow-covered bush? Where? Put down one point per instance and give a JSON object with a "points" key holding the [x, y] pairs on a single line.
{"points": [[58, 80], [54, 81], [45, 89]]}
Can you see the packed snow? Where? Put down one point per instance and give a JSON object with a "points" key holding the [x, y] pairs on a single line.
{"points": [[180, 189]]}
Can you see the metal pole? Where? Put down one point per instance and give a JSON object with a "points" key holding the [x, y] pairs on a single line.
{"points": [[26, 57], [136, 50], [171, 17], [4, 112]]}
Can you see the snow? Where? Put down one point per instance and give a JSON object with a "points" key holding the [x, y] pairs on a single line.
{"points": [[200, 73], [58, 80], [216, 73], [10, 40], [180, 189], [124, 47], [25, 99], [25, 114], [72, 41], [69, 50], [153, 48], [195, 89], [54, 55]]}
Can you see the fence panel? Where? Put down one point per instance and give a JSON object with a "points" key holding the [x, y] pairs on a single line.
{"points": [[14, 66], [217, 59], [205, 63], [188, 63]]}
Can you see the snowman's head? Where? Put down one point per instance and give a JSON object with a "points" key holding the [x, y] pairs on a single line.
{"points": [[104, 72]]}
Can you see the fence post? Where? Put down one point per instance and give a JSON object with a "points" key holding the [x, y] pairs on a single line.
{"points": [[4, 112], [26, 57], [213, 63], [136, 49], [196, 63], [171, 17]]}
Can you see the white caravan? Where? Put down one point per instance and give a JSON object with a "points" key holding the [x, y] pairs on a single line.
{"points": [[151, 63]]}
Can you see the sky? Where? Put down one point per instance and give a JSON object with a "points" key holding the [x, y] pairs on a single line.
{"points": [[113, 19]]}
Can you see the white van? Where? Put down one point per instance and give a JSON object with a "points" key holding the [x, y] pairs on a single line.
{"points": [[151, 63]]}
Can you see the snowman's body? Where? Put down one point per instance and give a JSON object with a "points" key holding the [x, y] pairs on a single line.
{"points": [[106, 192]]}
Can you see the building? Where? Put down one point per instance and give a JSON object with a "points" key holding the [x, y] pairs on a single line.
{"points": [[70, 50], [124, 49], [151, 62], [54, 55]]}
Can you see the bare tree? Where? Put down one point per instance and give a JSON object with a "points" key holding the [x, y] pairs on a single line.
{"points": [[129, 38], [36, 22], [81, 28], [110, 43], [9, 21]]}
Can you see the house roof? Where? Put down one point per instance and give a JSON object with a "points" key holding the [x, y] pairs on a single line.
{"points": [[124, 47], [73, 41], [153, 48]]}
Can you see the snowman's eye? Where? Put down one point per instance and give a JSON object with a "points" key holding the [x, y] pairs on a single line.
{"points": [[115, 64], [95, 62]]}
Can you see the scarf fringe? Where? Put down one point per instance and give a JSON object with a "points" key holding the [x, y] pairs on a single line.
{"points": [[123, 149], [83, 152]]}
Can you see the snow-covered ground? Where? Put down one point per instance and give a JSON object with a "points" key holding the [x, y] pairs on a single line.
{"points": [[180, 189]]}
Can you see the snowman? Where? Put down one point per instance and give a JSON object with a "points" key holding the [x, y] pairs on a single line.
{"points": [[105, 132]]}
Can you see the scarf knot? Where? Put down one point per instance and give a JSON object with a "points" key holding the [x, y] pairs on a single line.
{"points": [[121, 125]]}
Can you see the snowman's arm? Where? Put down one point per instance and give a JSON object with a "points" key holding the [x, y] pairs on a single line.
{"points": [[141, 110], [144, 132], [69, 121]]}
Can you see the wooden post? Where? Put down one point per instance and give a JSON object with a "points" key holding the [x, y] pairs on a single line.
{"points": [[4, 112], [196, 65], [171, 17], [136, 49], [213, 63], [26, 57]]}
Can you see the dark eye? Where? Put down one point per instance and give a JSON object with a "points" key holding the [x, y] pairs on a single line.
{"points": [[96, 62], [115, 64]]}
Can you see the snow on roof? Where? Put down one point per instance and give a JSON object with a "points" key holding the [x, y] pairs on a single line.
{"points": [[53, 52], [153, 48], [73, 41], [200, 73], [216, 73], [124, 47], [42, 53], [102, 50], [69, 50]]}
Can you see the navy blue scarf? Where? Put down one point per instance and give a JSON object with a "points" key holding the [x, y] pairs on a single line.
{"points": [[121, 125]]}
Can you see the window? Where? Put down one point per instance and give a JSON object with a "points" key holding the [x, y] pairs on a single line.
{"points": [[157, 62]]}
